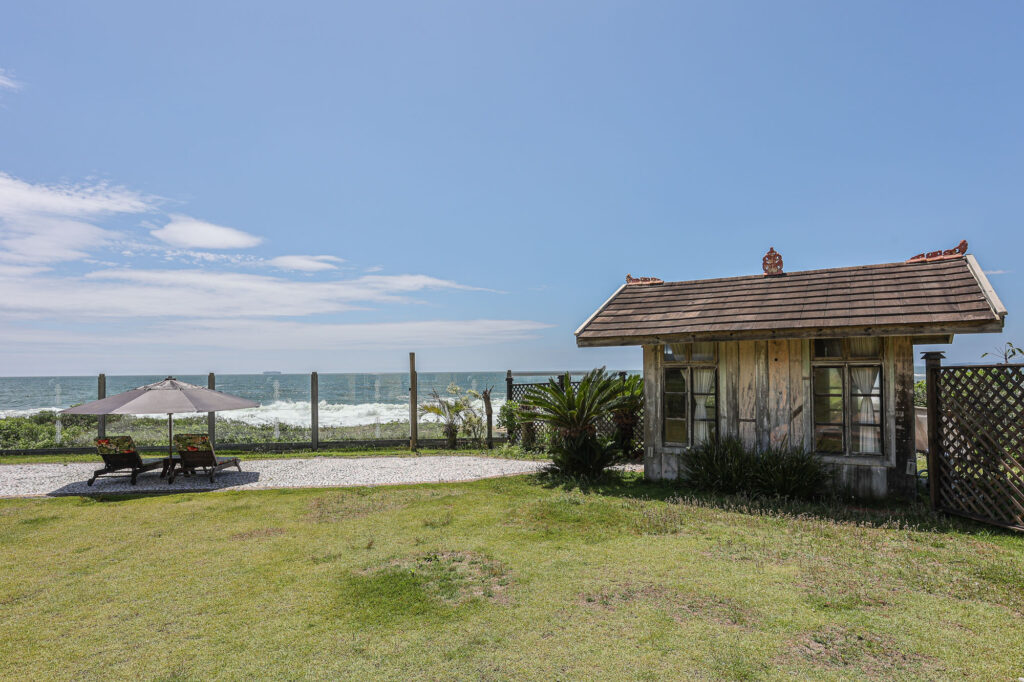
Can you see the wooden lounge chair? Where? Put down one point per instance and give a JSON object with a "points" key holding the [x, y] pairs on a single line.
{"points": [[119, 454], [196, 452]]}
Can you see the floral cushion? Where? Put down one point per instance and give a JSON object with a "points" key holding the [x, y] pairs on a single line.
{"points": [[192, 442], [114, 445]]}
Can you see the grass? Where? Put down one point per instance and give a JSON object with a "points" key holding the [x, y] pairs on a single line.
{"points": [[514, 578], [505, 451]]}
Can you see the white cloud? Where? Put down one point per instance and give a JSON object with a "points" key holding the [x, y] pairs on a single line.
{"points": [[306, 263], [190, 233], [375, 268], [285, 335], [297, 335], [194, 294], [7, 82], [997, 272], [50, 223]]}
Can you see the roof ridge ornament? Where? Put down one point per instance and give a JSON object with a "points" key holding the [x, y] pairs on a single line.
{"points": [[948, 254], [772, 263], [631, 280]]}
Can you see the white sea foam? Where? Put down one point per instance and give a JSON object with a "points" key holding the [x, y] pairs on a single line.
{"points": [[297, 413], [27, 413]]}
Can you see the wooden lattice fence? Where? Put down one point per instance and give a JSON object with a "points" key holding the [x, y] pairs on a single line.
{"points": [[976, 470]]}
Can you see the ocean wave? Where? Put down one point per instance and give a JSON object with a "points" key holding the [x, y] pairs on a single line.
{"points": [[297, 413]]}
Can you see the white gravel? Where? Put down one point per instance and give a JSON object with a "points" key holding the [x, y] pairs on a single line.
{"points": [[33, 480]]}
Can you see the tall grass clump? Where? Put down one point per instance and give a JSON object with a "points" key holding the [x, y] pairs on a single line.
{"points": [[727, 467]]}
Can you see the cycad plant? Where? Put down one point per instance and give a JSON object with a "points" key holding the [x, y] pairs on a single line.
{"points": [[572, 413], [451, 411]]}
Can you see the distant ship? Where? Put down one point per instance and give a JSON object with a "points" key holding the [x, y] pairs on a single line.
{"points": [[273, 371]]}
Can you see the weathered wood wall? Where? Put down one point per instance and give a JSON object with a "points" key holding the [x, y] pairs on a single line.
{"points": [[764, 398]]}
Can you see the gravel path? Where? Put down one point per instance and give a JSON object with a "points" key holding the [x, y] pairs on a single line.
{"points": [[32, 480]]}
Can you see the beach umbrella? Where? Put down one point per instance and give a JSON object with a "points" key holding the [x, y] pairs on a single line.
{"points": [[169, 397]]}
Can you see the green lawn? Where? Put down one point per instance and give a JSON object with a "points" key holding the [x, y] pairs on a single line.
{"points": [[514, 578], [503, 451]]}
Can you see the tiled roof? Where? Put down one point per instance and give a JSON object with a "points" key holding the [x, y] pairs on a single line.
{"points": [[945, 296]]}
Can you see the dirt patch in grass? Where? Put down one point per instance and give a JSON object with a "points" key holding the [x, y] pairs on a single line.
{"points": [[836, 647], [343, 505], [259, 534], [596, 518], [678, 604], [453, 577]]}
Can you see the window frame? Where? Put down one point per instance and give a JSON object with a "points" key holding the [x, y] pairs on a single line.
{"points": [[689, 364], [844, 363]]}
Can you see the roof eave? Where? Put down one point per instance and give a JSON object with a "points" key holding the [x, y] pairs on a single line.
{"points": [[986, 288], [598, 311], [983, 327]]}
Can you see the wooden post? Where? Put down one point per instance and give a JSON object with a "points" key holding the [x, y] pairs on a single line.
{"points": [[101, 393], [211, 417], [413, 417], [561, 381], [933, 362], [486, 394], [314, 410], [508, 385]]}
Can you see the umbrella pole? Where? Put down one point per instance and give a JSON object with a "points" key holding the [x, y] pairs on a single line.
{"points": [[170, 436]]}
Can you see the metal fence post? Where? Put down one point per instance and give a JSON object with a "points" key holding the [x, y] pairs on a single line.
{"points": [[314, 410], [101, 393], [211, 417], [413, 399], [933, 363]]}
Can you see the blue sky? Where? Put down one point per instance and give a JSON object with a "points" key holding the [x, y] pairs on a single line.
{"points": [[239, 187]]}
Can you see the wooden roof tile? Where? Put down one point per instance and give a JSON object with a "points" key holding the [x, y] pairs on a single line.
{"points": [[919, 298]]}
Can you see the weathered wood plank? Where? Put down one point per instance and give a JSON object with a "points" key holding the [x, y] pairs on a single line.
{"points": [[903, 478], [778, 401], [797, 398], [730, 369], [652, 412], [762, 417], [746, 393], [805, 365]]}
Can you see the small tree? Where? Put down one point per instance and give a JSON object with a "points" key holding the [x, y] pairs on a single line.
{"points": [[1007, 352], [452, 412]]}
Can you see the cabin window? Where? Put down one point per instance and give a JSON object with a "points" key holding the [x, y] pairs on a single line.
{"points": [[847, 386], [691, 390]]}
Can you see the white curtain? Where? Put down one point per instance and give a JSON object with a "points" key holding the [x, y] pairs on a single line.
{"points": [[864, 381], [703, 382], [676, 352], [864, 346]]}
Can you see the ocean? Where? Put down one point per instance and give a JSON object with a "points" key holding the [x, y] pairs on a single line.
{"points": [[345, 399]]}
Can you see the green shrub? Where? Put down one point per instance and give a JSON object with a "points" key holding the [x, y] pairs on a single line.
{"points": [[725, 466], [720, 466], [788, 472], [583, 456], [508, 419]]}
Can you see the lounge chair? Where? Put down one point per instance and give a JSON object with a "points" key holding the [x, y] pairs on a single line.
{"points": [[119, 454], [196, 452]]}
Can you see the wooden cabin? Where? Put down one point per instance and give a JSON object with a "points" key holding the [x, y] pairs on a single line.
{"points": [[820, 359]]}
